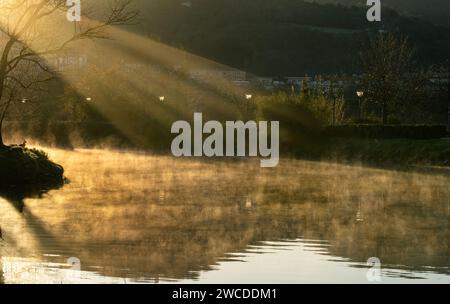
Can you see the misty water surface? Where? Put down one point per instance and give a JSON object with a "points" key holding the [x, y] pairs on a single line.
{"points": [[129, 217]]}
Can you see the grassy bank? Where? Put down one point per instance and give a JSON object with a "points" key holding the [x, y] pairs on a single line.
{"points": [[22, 167], [389, 151]]}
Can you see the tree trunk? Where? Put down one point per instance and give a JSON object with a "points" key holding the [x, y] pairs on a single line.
{"points": [[3, 74], [2, 119], [2, 145]]}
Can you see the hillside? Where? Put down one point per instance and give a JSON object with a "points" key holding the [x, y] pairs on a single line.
{"points": [[281, 37], [436, 11]]}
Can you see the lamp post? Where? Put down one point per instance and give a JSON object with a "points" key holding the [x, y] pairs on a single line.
{"points": [[248, 98], [448, 123], [448, 101], [360, 95]]}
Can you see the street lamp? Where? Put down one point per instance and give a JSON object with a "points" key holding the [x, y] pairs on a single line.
{"points": [[162, 98], [88, 99], [360, 95]]}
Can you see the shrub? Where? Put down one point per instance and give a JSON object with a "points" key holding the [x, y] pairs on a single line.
{"points": [[28, 167], [300, 123], [387, 131]]}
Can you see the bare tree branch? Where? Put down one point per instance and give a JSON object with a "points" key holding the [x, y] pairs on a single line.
{"points": [[25, 33]]}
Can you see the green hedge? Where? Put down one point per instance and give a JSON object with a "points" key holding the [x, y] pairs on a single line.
{"points": [[387, 131]]}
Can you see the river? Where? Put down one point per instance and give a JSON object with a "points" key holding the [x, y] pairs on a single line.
{"points": [[129, 217]]}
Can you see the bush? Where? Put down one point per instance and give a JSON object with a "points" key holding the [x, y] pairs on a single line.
{"points": [[434, 152], [387, 131], [28, 167], [299, 125]]}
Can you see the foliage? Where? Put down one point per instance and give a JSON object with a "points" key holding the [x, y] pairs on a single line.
{"points": [[387, 131], [301, 118], [391, 77], [390, 151], [308, 107]]}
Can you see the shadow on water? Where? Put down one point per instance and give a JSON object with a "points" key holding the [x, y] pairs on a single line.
{"points": [[16, 195]]}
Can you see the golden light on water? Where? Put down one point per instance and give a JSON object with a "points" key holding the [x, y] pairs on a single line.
{"points": [[132, 215]]}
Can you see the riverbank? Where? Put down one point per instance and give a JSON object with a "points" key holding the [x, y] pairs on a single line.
{"points": [[22, 167], [435, 152]]}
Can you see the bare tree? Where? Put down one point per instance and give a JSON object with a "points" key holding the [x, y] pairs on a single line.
{"points": [[390, 75], [31, 30]]}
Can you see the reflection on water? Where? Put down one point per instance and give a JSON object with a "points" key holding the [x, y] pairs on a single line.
{"points": [[130, 218]]}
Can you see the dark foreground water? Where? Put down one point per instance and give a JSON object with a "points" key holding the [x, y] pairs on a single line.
{"points": [[127, 218]]}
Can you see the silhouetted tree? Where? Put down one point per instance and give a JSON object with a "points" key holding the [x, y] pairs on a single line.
{"points": [[31, 30], [390, 75]]}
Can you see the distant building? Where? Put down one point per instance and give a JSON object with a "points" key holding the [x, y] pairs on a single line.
{"points": [[230, 75], [68, 62], [262, 82], [297, 80]]}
